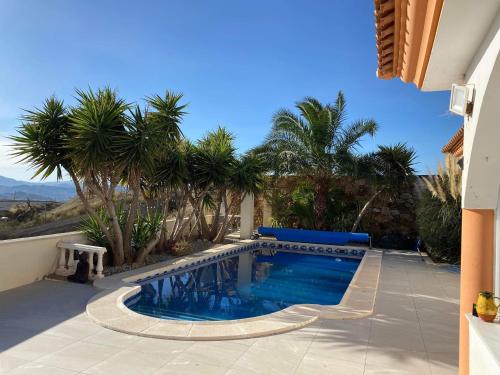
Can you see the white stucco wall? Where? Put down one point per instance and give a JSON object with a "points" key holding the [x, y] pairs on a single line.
{"points": [[481, 174], [247, 216], [25, 260], [484, 354], [462, 27]]}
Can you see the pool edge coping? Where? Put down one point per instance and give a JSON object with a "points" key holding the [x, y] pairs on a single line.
{"points": [[107, 308]]}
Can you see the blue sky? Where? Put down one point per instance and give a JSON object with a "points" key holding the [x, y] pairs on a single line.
{"points": [[236, 62]]}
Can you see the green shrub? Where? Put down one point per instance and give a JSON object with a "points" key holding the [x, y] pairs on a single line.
{"points": [[296, 209], [92, 230], [145, 228], [181, 248], [439, 226]]}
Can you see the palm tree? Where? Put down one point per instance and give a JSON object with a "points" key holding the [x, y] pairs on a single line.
{"points": [[316, 144], [390, 169]]}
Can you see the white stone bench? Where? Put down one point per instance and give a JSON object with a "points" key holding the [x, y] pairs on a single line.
{"points": [[67, 266]]}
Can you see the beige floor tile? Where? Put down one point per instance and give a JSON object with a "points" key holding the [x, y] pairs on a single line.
{"points": [[395, 335], [391, 370], [239, 371], [112, 338], [74, 330], [436, 342], [443, 363], [216, 353], [268, 361], [37, 346], [128, 362], [34, 368], [8, 363], [416, 310], [346, 350], [314, 364], [160, 346], [183, 367], [79, 356], [403, 360]]}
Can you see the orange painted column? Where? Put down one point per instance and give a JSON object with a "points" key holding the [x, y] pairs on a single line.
{"points": [[476, 272]]}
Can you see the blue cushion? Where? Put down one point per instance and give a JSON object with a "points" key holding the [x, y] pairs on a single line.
{"points": [[314, 236]]}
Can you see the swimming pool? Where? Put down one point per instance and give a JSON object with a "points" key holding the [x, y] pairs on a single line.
{"points": [[247, 285]]}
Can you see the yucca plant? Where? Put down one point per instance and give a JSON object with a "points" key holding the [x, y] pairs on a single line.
{"points": [[146, 227], [90, 227], [103, 142], [42, 138]]}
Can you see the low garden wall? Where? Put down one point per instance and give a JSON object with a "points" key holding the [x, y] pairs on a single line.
{"points": [[25, 260], [29, 259]]}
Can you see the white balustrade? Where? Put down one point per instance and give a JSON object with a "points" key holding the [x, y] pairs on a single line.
{"points": [[67, 264]]}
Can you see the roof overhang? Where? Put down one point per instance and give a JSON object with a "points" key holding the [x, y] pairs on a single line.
{"points": [[405, 35], [462, 28], [430, 42], [455, 145]]}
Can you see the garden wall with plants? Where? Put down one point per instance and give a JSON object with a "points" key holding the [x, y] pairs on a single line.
{"points": [[391, 221]]}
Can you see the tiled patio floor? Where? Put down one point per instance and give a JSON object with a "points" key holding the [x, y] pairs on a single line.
{"points": [[44, 330]]}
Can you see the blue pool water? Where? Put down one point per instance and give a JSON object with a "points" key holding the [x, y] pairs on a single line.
{"points": [[247, 285]]}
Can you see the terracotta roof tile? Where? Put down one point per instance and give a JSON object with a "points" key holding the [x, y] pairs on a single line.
{"points": [[456, 144]]}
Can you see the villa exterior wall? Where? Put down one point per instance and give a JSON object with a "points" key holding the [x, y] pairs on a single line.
{"points": [[25, 260], [481, 154], [480, 187]]}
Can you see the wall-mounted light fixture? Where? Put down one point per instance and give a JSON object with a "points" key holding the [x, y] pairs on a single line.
{"points": [[462, 99]]}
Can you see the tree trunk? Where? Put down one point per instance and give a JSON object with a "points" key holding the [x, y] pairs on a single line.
{"points": [[129, 226], [165, 205], [89, 208], [320, 203], [179, 217], [216, 218], [229, 217], [363, 210], [144, 251], [118, 253]]}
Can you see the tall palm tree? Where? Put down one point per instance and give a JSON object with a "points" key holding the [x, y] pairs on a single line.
{"points": [[390, 169], [317, 144]]}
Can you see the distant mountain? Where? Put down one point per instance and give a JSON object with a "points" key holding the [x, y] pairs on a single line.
{"points": [[55, 191], [6, 181]]}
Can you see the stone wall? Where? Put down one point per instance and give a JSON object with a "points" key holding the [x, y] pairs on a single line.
{"points": [[390, 222]]}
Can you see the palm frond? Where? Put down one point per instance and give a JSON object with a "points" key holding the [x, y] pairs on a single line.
{"points": [[42, 139]]}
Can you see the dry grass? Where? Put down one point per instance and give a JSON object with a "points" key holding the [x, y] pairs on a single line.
{"points": [[447, 183]]}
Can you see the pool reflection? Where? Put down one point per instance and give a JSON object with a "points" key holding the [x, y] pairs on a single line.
{"points": [[247, 285]]}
